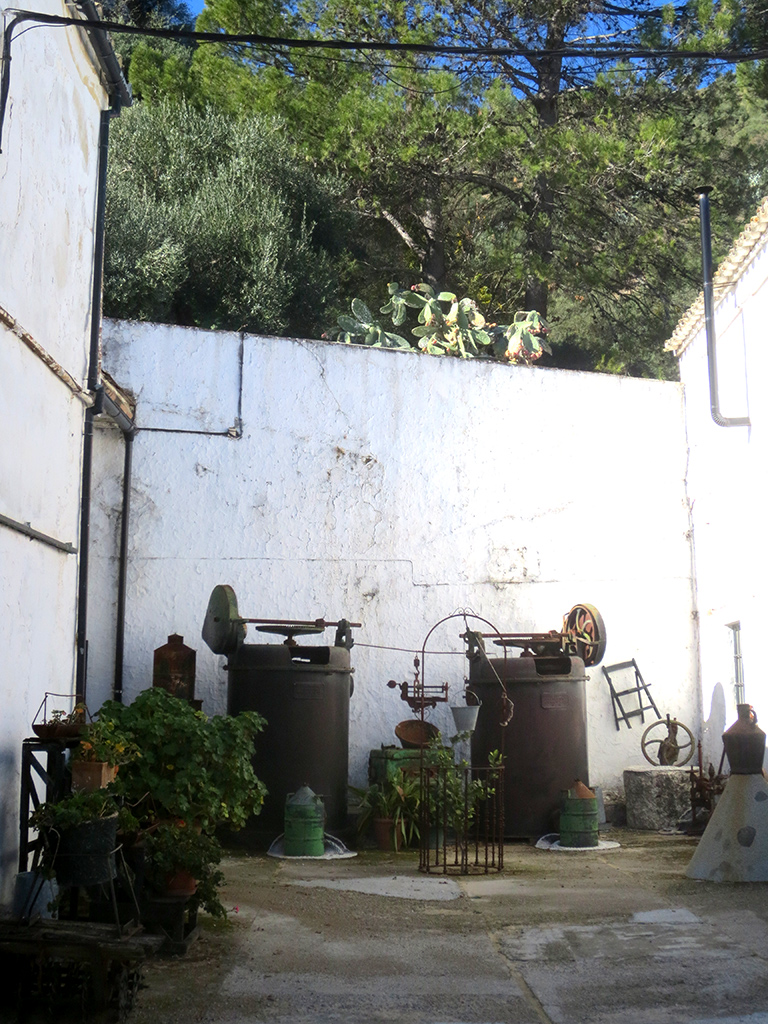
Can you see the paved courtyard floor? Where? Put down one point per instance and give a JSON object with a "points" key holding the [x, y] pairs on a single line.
{"points": [[619, 936]]}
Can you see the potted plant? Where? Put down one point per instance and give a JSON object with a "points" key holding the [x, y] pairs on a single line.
{"points": [[101, 750], [80, 836], [58, 724], [192, 777], [190, 766], [181, 860], [392, 809]]}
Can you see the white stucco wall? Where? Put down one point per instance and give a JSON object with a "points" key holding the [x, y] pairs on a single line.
{"points": [[391, 489], [47, 196], [728, 484]]}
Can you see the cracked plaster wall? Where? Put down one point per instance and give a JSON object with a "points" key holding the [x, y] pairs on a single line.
{"points": [[392, 489]]}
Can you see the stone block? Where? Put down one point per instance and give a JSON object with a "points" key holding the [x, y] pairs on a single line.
{"points": [[657, 797]]}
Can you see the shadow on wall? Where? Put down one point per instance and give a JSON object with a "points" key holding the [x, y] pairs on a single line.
{"points": [[714, 727], [9, 829]]}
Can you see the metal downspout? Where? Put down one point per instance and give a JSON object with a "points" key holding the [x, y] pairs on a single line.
{"points": [[95, 388], [122, 575], [709, 317]]}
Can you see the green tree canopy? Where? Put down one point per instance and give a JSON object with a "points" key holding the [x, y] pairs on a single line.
{"points": [[526, 179], [214, 221]]}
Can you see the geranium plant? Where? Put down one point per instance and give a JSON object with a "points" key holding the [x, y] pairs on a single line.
{"points": [[103, 741]]}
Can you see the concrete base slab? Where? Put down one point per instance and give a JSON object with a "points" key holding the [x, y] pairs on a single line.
{"points": [[734, 847], [419, 888]]}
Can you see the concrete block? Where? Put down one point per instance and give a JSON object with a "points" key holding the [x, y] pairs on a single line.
{"points": [[657, 797]]}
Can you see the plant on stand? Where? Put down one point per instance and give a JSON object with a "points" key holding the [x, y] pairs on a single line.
{"points": [[194, 777], [79, 836], [96, 759], [454, 793], [392, 809]]}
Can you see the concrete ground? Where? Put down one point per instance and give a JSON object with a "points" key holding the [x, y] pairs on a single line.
{"points": [[608, 937]]}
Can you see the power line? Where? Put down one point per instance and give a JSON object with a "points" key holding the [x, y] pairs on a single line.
{"points": [[626, 52]]}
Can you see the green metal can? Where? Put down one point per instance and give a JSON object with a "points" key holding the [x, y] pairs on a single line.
{"points": [[579, 821], [304, 824]]}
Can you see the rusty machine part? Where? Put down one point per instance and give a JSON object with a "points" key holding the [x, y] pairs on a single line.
{"points": [[705, 789], [673, 749], [173, 668], [224, 628], [418, 695], [582, 636]]}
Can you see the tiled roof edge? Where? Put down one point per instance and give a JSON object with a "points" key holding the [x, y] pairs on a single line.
{"points": [[728, 274]]}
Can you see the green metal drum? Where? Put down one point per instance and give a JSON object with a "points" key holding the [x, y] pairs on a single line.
{"points": [[578, 821], [304, 824]]}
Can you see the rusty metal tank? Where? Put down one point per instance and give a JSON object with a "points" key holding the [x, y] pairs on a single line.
{"points": [[545, 742], [303, 692]]}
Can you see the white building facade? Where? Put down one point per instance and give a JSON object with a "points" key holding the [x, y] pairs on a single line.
{"points": [[60, 83], [728, 478]]}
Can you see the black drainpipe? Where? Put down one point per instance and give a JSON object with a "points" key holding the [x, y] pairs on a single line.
{"points": [[709, 317], [123, 566], [95, 387]]}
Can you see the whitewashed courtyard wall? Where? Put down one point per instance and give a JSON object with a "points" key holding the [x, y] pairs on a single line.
{"points": [[728, 478], [392, 489], [48, 176]]}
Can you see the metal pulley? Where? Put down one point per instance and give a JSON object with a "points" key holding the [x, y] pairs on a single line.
{"points": [[224, 628], [582, 636]]}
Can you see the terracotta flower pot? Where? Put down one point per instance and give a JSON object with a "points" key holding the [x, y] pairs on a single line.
{"points": [[180, 883], [88, 776], [385, 835]]}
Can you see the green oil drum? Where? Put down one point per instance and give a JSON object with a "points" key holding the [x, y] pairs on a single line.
{"points": [[304, 824], [579, 819]]}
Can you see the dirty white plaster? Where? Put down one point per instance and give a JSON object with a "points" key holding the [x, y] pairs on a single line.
{"points": [[392, 489], [727, 488], [47, 198]]}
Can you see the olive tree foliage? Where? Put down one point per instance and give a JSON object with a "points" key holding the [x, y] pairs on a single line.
{"points": [[216, 222], [526, 180]]}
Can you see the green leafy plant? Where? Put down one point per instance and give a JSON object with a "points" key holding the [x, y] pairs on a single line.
{"points": [[446, 325], [78, 809], [398, 799], [454, 793], [191, 766], [174, 847], [194, 775], [104, 741]]}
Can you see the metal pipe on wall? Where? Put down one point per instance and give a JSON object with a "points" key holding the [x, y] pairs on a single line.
{"points": [[709, 316]]}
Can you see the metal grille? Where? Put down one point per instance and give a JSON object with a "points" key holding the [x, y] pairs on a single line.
{"points": [[462, 819]]}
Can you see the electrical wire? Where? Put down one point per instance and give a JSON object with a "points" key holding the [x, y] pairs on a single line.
{"points": [[628, 52]]}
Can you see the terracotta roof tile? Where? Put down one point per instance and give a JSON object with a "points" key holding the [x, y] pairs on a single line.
{"points": [[728, 273]]}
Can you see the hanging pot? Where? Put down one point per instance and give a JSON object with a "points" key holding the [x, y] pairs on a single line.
{"points": [[465, 716]]}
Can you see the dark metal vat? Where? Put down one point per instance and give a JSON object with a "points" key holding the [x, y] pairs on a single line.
{"points": [[303, 692], [545, 743]]}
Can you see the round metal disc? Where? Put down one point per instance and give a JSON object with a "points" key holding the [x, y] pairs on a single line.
{"points": [[685, 747], [584, 634], [223, 629]]}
